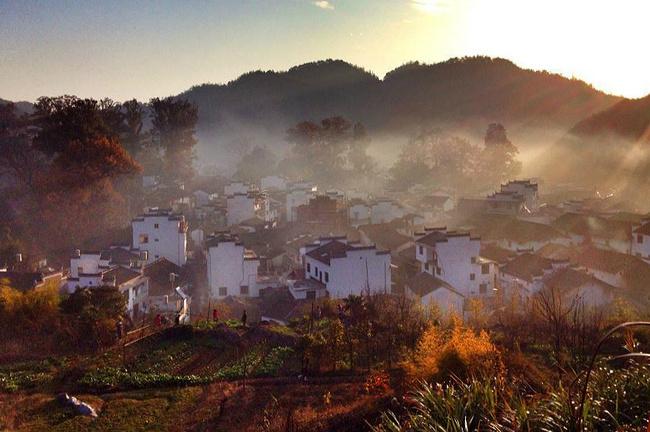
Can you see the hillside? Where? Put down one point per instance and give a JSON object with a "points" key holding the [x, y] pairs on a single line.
{"points": [[612, 146], [22, 106]]}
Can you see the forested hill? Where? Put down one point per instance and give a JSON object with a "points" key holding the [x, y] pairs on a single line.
{"points": [[628, 118], [23, 107], [455, 91]]}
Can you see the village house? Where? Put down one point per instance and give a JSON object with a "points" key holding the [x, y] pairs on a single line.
{"points": [[298, 195], [358, 213], [161, 233], [385, 210], [28, 273], [246, 207], [524, 275], [576, 285], [323, 210], [526, 189], [232, 269], [273, 182], [505, 203], [164, 276], [238, 187], [518, 235], [345, 269], [94, 269], [434, 207], [385, 236], [454, 257], [641, 240], [599, 231], [434, 292]]}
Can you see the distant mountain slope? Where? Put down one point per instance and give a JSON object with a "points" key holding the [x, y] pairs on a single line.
{"points": [[24, 107], [453, 91], [609, 149], [628, 118]]}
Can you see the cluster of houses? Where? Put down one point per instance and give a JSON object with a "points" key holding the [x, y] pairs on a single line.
{"points": [[242, 241]]}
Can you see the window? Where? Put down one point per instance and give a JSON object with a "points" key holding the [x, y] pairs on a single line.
{"points": [[639, 238], [223, 291], [473, 260], [485, 268], [472, 276], [482, 289], [243, 290], [80, 270], [327, 277], [155, 240], [308, 268], [144, 238], [156, 226], [421, 250]]}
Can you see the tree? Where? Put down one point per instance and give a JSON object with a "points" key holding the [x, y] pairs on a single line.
{"points": [[256, 164], [132, 138], [498, 158], [329, 152], [434, 158], [174, 125]]}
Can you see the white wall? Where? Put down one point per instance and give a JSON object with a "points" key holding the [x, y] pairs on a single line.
{"points": [[296, 198], [167, 237], [240, 207], [349, 274], [455, 262], [641, 248], [236, 188], [447, 301], [359, 214], [385, 211], [228, 268], [273, 182]]}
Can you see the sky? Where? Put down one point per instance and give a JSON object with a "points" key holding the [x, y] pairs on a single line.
{"points": [[143, 49]]}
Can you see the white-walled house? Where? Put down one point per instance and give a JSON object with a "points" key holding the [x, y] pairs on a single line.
{"points": [[524, 275], [526, 189], [236, 188], [358, 213], [232, 269], [297, 197], [273, 182], [454, 257], [94, 269], [432, 290], [239, 207], [574, 284], [347, 269], [641, 240], [385, 210], [163, 234]]}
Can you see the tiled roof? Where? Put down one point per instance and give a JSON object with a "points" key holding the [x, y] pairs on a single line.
{"points": [[158, 274], [593, 225], [527, 266], [122, 275], [424, 283], [567, 279], [385, 235], [495, 253], [331, 249]]}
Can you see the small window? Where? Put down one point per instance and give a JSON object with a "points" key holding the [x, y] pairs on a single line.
{"points": [[80, 270], [472, 276], [421, 250], [155, 240], [308, 268], [144, 238], [327, 277], [485, 269], [473, 260], [243, 290], [482, 289], [156, 226], [223, 291]]}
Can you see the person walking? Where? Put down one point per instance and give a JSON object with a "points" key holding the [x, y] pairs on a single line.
{"points": [[215, 315], [244, 318]]}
